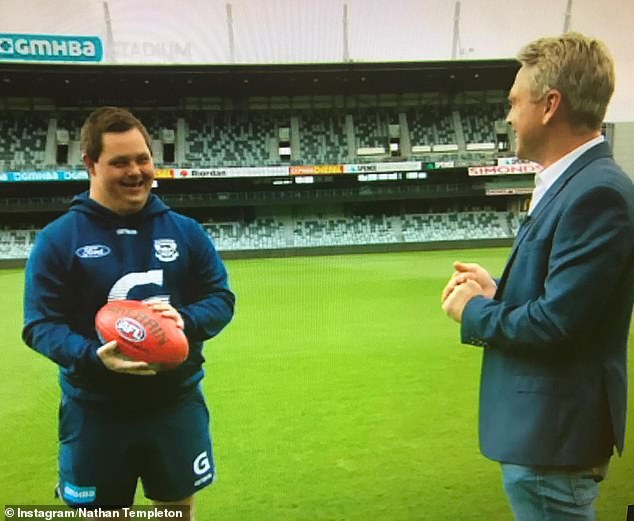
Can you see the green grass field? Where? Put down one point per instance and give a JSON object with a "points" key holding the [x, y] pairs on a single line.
{"points": [[339, 392]]}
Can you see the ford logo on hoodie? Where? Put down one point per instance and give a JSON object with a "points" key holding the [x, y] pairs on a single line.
{"points": [[92, 251]]}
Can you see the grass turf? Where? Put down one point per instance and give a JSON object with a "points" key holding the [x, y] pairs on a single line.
{"points": [[339, 392]]}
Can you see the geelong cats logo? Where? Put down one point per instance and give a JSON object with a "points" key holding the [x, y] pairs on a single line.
{"points": [[166, 250]]}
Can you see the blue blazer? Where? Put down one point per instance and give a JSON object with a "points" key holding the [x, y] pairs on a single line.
{"points": [[554, 370]]}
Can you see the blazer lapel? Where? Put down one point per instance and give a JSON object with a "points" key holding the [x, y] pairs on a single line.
{"points": [[600, 150], [521, 233]]}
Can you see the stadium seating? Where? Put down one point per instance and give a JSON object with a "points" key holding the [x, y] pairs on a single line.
{"points": [[478, 122], [330, 230], [322, 137], [433, 130], [362, 229], [431, 127], [22, 140], [456, 226], [233, 138], [371, 130], [16, 244], [256, 235]]}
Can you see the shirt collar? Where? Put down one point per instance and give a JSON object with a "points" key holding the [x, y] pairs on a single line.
{"points": [[547, 177]]}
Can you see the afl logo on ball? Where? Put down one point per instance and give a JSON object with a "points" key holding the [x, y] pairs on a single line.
{"points": [[130, 329]]}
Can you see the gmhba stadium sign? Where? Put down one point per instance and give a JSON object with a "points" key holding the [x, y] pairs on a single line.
{"points": [[50, 48]]}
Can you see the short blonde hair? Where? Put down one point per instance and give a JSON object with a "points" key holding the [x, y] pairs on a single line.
{"points": [[579, 67]]}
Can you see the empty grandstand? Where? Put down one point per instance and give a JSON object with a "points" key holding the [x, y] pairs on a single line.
{"points": [[34, 140], [281, 158]]}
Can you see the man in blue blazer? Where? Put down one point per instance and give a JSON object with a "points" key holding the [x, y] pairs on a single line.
{"points": [[555, 326]]}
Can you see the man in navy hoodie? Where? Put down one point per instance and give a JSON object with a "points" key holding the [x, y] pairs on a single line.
{"points": [[121, 420]]}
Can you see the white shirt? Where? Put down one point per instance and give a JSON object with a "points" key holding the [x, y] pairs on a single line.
{"points": [[547, 177]]}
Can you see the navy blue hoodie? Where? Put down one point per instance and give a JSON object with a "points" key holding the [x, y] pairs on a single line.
{"points": [[91, 255]]}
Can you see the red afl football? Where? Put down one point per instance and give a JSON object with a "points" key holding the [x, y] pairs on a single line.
{"points": [[141, 333]]}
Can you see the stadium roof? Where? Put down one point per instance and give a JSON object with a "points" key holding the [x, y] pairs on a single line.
{"points": [[168, 83]]}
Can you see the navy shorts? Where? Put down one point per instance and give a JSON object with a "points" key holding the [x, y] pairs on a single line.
{"points": [[104, 451]]}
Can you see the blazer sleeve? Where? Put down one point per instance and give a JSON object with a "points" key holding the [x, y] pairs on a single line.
{"points": [[592, 247]]}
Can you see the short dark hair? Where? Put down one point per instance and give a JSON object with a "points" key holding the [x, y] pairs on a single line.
{"points": [[108, 119]]}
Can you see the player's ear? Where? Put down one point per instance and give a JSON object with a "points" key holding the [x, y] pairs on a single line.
{"points": [[90, 164]]}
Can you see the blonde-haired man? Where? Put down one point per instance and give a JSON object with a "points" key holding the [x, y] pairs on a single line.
{"points": [[554, 327]]}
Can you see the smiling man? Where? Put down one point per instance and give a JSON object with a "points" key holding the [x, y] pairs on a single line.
{"points": [[554, 327], [121, 420], [121, 169]]}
